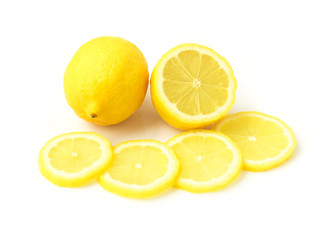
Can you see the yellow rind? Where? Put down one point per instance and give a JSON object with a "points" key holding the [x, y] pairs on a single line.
{"points": [[263, 167], [75, 180], [106, 80], [174, 117], [207, 187], [129, 190]]}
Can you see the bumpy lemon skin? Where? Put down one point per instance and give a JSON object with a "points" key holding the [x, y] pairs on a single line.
{"points": [[106, 80], [76, 181], [165, 113]]}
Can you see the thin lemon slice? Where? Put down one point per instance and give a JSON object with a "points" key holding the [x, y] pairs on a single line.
{"points": [[192, 86], [209, 160], [266, 141], [141, 168], [73, 159]]}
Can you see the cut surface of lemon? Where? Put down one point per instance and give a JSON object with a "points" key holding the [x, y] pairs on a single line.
{"points": [[74, 159], [209, 160], [192, 86], [141, 168], [265, 141]]}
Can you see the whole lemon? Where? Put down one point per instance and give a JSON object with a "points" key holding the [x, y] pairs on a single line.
{"points": [[106, 80]]}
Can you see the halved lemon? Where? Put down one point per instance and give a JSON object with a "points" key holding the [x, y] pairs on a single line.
{"points": [[192, 86], [266, 141], [73, 159], [209, 160], [141, 168]]}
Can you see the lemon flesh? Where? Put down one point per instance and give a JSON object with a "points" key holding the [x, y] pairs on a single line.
{"points": [[266, 141], [140, 169], [106, 80], [192, 86], [73, 159], [209, 160]]}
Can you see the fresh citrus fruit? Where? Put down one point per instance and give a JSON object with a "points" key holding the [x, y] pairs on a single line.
{"points": [[141, 168], [209, 160], [266, 141], [73, 159], [192, 86], [106, 80]]}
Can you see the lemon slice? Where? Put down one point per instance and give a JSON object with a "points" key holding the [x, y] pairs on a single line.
{"points": [[209, 160], [141, 168], [192, 86], [266, 141], [73, 159]]}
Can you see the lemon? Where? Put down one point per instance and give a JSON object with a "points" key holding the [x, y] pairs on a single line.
{"points": [[266, 141], [106, 80], [141, 168], [209, 160], [192, 86], [73, 159]]}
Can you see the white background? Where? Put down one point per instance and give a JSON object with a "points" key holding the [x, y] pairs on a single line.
{"points": [[276, 51]]}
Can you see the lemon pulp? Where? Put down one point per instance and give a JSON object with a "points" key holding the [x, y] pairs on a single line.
{"points": [[141, 168], [265, 141], [195, 83], [260, 138], [73, 159], [203, 158], [209, 160], [138, 165], [73, 155], [192, 86]]}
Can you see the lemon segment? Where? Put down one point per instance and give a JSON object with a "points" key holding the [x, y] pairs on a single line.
{"points": [[192, 86], [140, 169], [266, 141], [209, 160], [73, 159]]}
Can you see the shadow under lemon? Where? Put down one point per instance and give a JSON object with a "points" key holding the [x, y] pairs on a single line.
{"points": [[145, 123]]}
